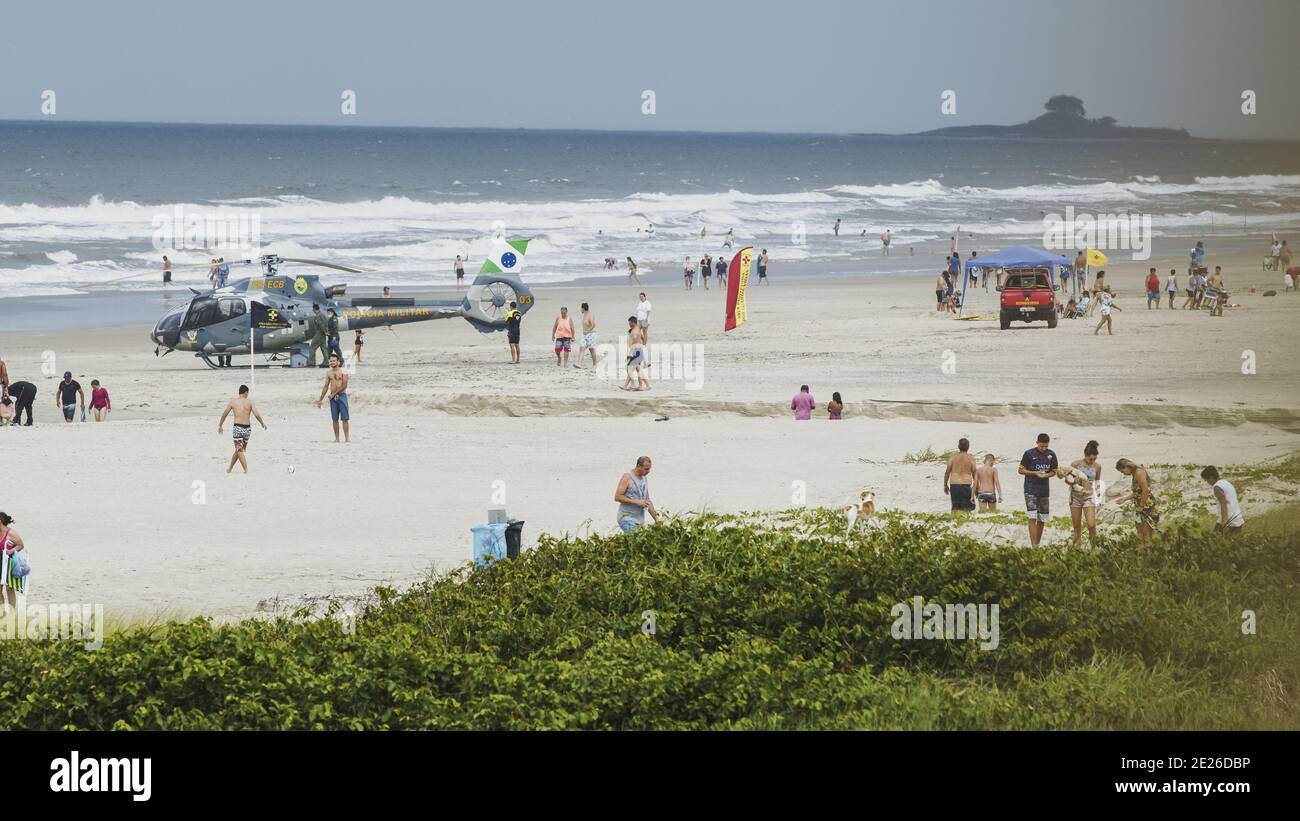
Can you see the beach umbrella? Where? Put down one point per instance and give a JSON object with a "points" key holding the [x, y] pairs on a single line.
{"points": [[1096, 257]]}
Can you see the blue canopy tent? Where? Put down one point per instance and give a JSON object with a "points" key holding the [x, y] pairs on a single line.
{"points": [[1017, 256]]}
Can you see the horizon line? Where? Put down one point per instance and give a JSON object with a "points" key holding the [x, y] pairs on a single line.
{"points": [[655, 131]]}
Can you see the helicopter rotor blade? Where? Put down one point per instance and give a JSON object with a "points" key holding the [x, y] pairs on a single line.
{"points": [[322, 263]]}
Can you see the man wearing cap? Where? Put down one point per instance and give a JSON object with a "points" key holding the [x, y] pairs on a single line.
{"points": [[69, 396], [318, 329]]}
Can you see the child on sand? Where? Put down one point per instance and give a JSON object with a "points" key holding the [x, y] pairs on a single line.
{"points": [[988, 486]]}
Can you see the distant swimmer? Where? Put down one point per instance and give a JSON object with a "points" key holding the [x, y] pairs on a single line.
{"points": [[588, 336], [562, 334], [336, 386], [726, 242], [513, 320], [631, 273], [836, 227], [245, 412], [460, 270], [704, 232], [167, 270], [100, 404], [885, 239]]}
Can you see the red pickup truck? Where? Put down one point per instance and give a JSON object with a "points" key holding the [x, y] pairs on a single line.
{"points": [[1027, 296]]}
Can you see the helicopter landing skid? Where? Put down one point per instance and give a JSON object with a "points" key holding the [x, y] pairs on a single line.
{"points": [[207, 360]]}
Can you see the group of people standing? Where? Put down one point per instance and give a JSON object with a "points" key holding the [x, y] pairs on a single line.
{"points": [[18, 397], [968, 485]]}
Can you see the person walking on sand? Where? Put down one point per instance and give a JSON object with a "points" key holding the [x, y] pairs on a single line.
{"points": [[588, 336], [688, 274], [1274, 254], [727, 240], [245, 412], [1081, 268], [1146, 515], [643, 308], [885, 239], [706, 270], [636, 358], [803, 404], [100, 404], [562, 334], [720, 267], [514, 318], [11, 544], [762, 268], [1083, 500], [68, 396], [1171, 286], [1107, 301], [988, 486], [633, 497], [959, 477], [632, 278], [336, 385], [1231, 520], [1153, 289], [835, 410], [318, 335], [1037, 465], [941, 292]]}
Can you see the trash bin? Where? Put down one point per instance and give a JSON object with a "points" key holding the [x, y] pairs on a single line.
{"points": [[489, 543], [514, 535]]}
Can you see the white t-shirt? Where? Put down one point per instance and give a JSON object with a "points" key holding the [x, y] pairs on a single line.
{"points": [[1235, 518], [643, 311], [1172, 284], [1277, 249]]}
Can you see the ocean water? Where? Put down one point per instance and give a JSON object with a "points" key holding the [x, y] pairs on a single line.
{"points": [[83, 206]]}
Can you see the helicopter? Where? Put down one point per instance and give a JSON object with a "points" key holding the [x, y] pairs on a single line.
{"points": [[272, 313]]}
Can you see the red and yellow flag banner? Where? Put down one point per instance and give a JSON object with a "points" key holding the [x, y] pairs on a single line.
{"points": [[737, 284]]}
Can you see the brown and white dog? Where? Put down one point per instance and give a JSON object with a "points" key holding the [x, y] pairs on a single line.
{"points": [[865, 509]]}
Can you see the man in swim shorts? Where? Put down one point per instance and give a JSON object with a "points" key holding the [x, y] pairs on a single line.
{"points": [[588, 336], [245, 411], [336, 385], [562, 333], [69, 396], [959, 477], [636, 360]]}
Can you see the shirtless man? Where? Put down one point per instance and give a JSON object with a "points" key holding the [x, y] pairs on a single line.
{"points": [[636, 359], [336, 385], [959, 477], [988, 486], [245, 411], [588, 336]]}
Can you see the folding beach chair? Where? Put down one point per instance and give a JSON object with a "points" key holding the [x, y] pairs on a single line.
{"points": [[1209, 299]]}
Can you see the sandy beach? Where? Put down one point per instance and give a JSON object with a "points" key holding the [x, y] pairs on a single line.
{"points": [[139, 514]]}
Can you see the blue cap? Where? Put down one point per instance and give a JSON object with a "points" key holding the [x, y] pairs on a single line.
{"points": [[67, 374]]}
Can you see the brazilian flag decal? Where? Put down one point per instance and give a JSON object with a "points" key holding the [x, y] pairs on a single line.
{"points": [[507, 257]]}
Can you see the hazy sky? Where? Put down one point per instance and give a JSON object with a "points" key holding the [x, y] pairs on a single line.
{"points": [[758, 65]]}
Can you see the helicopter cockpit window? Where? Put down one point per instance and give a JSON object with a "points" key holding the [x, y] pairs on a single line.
{"points": [[173, 320], [231, 308], [203, 311]]}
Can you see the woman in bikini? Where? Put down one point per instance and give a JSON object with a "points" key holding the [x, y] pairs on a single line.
{"points": [[1146, 516], [356, 345], [100, 404], [10, 544], [1083, 500]]}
